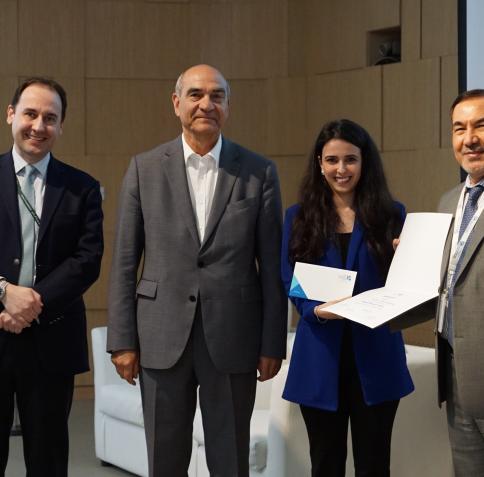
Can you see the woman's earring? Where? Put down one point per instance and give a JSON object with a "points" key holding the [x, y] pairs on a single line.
{"points": [[322, 171]]}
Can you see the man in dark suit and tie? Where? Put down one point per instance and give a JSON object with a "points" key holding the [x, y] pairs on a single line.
{"points": [[209, 309], [51, 246], [460, 314]]}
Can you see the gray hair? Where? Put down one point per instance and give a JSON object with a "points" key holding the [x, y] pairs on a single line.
{"points": [[179, 86]]}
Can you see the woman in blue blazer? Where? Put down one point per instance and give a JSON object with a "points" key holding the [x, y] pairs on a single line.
{"points": [[341, 371]]}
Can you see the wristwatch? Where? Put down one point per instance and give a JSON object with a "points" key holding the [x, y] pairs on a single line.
{"points": [[3, 286]]}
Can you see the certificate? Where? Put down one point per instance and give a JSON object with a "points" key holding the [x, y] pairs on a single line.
{"points": [[414, 275], [321, 283]]}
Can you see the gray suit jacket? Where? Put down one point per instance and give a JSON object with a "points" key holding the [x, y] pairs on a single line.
{"points": [[467, 313], [233, 274]]}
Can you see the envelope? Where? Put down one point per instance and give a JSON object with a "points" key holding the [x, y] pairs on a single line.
{"points": [[320, 283]]}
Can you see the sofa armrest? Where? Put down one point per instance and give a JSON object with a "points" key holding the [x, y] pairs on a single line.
{"points": [[104, 371], [287, 445]]}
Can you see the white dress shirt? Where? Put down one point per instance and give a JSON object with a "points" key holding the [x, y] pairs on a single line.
{"points": [[202, 173], [40, 178], [39, 184]]}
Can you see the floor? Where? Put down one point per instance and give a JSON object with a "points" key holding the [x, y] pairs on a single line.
{"points": [[82, 461]]}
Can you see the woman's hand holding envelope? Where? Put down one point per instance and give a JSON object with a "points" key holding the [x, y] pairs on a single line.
{"points": [[321, 314]]}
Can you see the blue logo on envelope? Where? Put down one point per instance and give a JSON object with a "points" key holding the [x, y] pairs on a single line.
{"points": [[296, 289]]}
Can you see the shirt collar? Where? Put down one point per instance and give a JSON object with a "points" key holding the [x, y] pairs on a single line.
{"points": [[214, 152], [19, 163], [470, 186]]}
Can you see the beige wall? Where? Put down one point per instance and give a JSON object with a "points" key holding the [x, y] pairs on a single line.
{"points": [[293, 64]]}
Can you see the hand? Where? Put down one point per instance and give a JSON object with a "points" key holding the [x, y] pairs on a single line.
{"points": [[268, 367], [395, 244], [22, 302], [326, 315], [11, 324], [126, 362]]}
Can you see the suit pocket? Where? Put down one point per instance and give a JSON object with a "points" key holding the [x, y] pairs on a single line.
{"points": [[242, 204], [147, 288]]}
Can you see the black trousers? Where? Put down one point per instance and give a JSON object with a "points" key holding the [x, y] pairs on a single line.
{"points": [[44, 403], [371, 427]]}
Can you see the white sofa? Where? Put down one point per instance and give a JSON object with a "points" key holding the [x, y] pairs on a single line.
{"points": [[278, 446]]}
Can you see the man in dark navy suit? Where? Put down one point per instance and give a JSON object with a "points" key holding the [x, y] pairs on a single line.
{"points": [[51, 246]]}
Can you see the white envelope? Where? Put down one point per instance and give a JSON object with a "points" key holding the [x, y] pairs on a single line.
{"points": [[321, 283]]}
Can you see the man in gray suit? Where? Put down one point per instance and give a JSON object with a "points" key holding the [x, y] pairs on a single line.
{"points": [[209, 309], [460, 315]]}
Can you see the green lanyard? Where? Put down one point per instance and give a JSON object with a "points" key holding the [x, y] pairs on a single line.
{"points": [[27, 204]]}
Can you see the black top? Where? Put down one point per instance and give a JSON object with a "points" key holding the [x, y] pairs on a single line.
{"points": [[343, 241]]}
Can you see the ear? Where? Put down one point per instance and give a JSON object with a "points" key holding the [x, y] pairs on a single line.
{"points": [[10, 114], [176, 103]]}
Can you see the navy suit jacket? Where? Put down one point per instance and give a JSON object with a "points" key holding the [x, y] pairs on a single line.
{"points": [[313, 375], [68, 259]]}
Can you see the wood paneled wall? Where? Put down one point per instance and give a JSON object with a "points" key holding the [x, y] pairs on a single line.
{"points": [[292, 64]]}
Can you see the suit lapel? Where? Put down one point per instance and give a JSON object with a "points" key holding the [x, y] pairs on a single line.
{"points": [[8, 191], [449, 208], [174, 168], [54, 189], [474, 240], [228, 172]]}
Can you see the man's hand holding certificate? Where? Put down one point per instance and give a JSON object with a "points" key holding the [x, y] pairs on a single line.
{"points": [[413, 278]]}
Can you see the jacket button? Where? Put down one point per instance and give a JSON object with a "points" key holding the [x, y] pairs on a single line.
{"points": [[192, 298], [200, 264], [16, 261]]}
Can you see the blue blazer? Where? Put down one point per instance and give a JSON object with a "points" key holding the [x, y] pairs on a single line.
{"points": [[313, 375]]}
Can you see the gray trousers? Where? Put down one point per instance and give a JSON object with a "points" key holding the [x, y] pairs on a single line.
{"points": [[169, 402], [466, 434]]}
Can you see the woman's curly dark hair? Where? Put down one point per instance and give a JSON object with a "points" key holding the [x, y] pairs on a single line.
{"points": [[316, 221]]}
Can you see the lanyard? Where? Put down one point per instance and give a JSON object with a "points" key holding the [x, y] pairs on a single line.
{"points": [[457, 249], [458, 245], [27, 204]]}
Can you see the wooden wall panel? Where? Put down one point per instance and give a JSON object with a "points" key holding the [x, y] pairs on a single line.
{"points": [[211, 36], [7, 88], [8, 37], [381, 14], [330, 39], [411, 105], [439, 28], [259, 39], [419, 178], [51, 38], [291, 170], [136, 40], [109, 170], [421, 335], [353, 95], [247, 122], [450, 90], [72, 140], [298, 44], [411, 43], [127, 117], [286, 120]]}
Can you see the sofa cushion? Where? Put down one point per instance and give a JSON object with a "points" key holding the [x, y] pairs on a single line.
{"points": [[121, 401], [259, 426]]}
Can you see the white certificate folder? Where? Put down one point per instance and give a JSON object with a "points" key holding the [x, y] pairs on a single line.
{"points": [[414, 275], [320, 283]]}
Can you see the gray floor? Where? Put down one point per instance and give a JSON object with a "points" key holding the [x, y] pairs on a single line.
{"points": [[82, 462]]}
